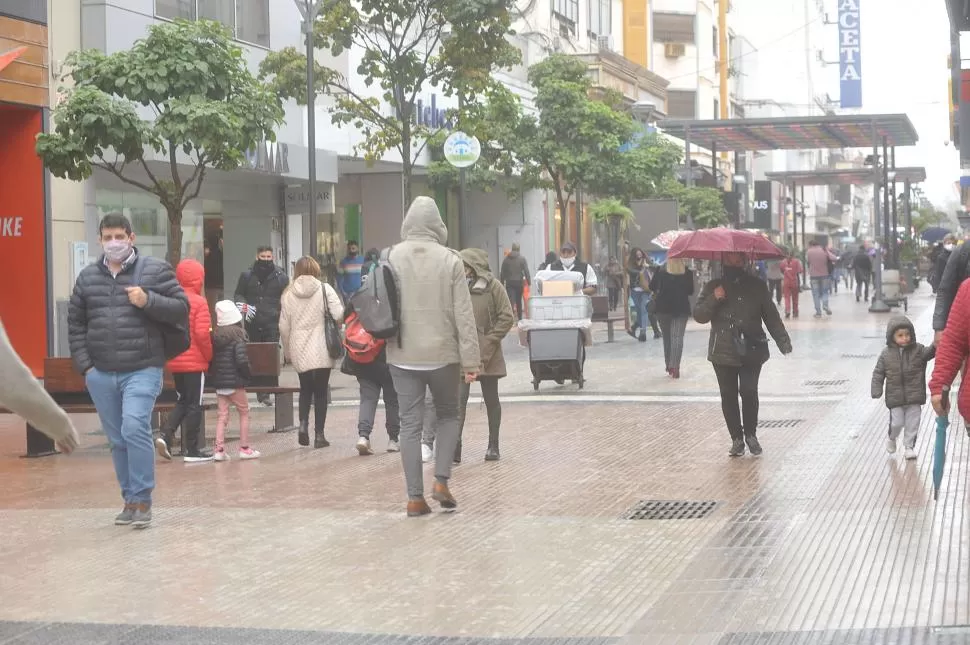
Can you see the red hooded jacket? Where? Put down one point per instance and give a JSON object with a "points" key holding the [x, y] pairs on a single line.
{"points": [[191, 276], [953, 349]]}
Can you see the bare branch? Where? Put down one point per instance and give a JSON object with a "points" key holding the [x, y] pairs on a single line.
{"points": [[149, 172], [118, 172]]}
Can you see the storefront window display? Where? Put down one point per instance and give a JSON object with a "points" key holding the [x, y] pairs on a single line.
{"points": [[149, 222]]}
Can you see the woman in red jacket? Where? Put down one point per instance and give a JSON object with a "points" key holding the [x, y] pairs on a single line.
{"points": [[189, 370], [952, 351]]}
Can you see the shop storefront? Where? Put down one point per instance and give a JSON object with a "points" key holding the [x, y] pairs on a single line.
{"points": [[23, 187]]}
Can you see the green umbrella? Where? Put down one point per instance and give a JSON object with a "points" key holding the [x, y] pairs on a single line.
{"points": [[939, 452]]}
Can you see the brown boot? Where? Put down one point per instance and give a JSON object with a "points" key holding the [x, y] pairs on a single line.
{"points": [[418, 507], [443, 496]]}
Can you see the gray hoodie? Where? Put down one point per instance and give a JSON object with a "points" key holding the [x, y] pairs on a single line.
{"points": [[437, 321]]}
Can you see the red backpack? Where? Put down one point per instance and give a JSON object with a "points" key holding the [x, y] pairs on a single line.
{"points": [[361, 346]]}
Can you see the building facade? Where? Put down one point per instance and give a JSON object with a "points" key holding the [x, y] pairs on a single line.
{"points": [[25, 202]]}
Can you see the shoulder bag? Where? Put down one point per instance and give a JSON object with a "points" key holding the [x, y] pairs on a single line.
{"points": [[331, 330]]}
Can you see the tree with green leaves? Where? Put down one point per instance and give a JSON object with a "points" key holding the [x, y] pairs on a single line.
{"points": [[641, 172], [575, 136], [407, 46], [207, 110], [701, 204]]}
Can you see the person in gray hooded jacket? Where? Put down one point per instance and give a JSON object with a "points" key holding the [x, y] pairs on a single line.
{"points": [[438, 343], [902, 369]]}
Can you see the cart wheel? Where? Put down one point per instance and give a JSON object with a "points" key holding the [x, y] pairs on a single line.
{"points": [[535, 385]]}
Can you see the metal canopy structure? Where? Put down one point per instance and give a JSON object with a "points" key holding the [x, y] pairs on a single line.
{"points": [[795, 133], [841, 177]]}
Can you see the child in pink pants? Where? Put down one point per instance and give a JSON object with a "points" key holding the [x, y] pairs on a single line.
{"points": [[229, 372]]}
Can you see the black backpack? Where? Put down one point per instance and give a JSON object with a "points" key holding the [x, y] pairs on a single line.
{"points": [[175, 338], [376, 303]]}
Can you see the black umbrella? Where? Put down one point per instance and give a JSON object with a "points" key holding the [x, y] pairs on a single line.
{"points": [[934, 234]]}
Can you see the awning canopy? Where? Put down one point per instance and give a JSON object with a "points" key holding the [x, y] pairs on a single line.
{"points": [[843, 176], [794, 133]]}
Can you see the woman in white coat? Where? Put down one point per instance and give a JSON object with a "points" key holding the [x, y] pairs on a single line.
{"points": [[304, 306]]}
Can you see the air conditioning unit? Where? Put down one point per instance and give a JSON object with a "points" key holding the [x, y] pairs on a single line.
{"points": [[674, 50], [604, 43]]}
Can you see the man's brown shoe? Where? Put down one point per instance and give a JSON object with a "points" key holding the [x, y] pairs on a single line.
{"points": [[418, 507], [443, 496]]}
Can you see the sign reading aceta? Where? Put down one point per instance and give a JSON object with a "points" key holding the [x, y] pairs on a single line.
{"points": [[462, 150], [850, 55]]}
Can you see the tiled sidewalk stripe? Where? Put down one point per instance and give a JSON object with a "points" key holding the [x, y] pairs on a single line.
{"points": [[764, 567], [22, 633], [895, 636]]}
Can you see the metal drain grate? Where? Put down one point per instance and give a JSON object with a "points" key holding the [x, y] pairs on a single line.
{"points": [[652, 509], [858, 355], [779, 423], [833, 383]]}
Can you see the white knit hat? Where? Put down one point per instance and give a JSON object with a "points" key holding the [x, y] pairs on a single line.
{"points": [[227, 314]]}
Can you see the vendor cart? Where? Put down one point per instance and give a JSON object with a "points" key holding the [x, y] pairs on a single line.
{"points": [[557, 354]]}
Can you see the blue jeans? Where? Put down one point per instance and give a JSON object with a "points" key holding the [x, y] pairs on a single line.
{"points": [[124, 401], [820, 294], [640, 301]]}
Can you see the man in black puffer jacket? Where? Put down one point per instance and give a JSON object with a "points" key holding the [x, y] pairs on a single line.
{"points": [[117, 343], [957, 270]]}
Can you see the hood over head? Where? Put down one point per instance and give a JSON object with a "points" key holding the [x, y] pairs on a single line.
{"points": [[477, 259], [306, 286], [899, 322], [423, 222], [191, 275]]}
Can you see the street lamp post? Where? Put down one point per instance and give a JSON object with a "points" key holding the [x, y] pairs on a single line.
{"points": [[309, 10], [878, 305]]}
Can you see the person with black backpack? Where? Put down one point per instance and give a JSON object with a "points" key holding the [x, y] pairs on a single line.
{"points": [[127, 316], [258, 295]]}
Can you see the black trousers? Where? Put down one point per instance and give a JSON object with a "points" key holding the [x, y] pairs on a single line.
{"points": [[774, 287], [740, 382], [493, 408], [188, 410], [313, 392], [614, 297], [515, 291]]}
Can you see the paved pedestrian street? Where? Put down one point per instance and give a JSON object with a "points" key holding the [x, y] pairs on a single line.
{"points": [[824, 539]]}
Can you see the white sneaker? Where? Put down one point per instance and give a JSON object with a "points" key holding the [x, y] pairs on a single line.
{"points": [[891, 446], [221, 455], [427, 454], [910, 453], [249, 453], [363, 447], [393, 446]]}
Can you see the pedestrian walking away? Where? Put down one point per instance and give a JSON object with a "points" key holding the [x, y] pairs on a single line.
{"points": [[258, 296], [614, 282], [775, 278], [792, 272], [862, 267], [901, 369], [515, 276], [188, 370], [736, 305], [230, 374], [494, 319], [126, 315], [673, 285], [305, 306], [437, 343], [23, 395], [820, 262]]}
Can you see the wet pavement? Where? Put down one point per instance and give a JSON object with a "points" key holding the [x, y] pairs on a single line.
{"points": [[825, 539]]}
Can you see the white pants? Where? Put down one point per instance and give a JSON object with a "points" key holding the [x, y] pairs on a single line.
{"points": [[906, 417]]}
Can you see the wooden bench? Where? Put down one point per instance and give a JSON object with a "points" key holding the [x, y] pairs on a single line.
{"points": [[68, 389], [264, 368], [601, 313]]}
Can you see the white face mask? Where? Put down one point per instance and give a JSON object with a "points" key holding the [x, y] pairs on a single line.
{"points": [[568, 263], [117, 250], [948, 247]]}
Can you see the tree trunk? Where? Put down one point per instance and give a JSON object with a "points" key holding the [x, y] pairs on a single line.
{"points": [[174, 254]]}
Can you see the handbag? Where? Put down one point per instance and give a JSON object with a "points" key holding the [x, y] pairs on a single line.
{"points": [[331, 330], [176, 339]]}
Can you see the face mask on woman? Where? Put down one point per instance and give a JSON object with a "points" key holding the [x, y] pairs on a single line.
{"points": [[948, 247]]}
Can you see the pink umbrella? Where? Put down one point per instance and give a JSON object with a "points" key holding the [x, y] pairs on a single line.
{"points": [[710, 244]]}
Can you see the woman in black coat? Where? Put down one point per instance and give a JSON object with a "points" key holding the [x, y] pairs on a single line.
{"points": [[672, 286]]}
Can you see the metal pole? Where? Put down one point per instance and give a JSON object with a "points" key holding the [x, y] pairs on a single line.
{"points": [[690, 171], [878, 305], [895, 229], [308, 18], [886, 213], [908, 205], [804, 241], [794, 217], [462, 206]]}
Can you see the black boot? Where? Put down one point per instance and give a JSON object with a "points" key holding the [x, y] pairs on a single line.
{"points": [[304, 436], [319, 439], [753, 444], [492, 453]]}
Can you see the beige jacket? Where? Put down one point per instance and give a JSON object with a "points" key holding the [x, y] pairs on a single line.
{"points": [[23, 395], [301, 323], [437, 321]]}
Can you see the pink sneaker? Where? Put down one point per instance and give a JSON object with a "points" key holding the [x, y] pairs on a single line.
{"points": [[220, 455], [248, 453]]}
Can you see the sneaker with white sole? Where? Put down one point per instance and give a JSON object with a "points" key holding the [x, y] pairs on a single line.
{"points": [[891, 446], [363, 447], [221, 455], [249, 453], [393, 446], [910, 453], [197, 456], [427, 454]]}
